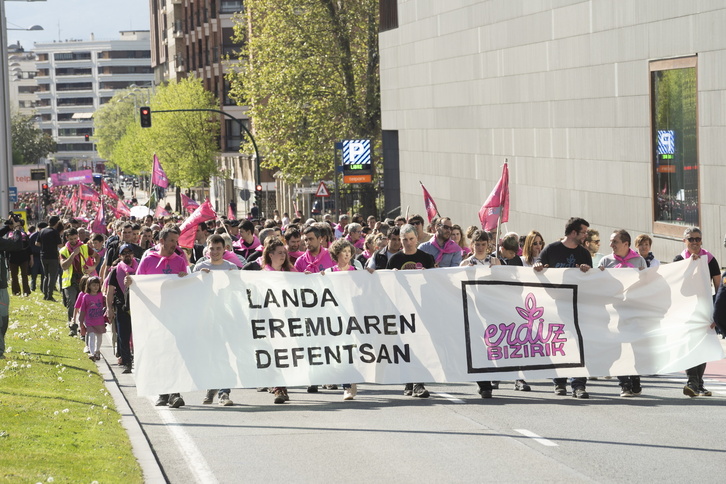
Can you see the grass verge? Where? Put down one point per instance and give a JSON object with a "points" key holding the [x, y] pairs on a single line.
{"points": [[57, 421]]}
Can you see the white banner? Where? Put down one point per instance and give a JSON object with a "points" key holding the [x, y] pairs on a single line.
{"points": [[251, 329]]}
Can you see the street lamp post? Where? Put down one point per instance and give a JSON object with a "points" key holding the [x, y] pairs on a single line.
{"points": [[6, 139]]}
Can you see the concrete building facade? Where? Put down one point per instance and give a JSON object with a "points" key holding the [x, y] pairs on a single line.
{"points": [[23, 86], [76, 77], [614, 111]]}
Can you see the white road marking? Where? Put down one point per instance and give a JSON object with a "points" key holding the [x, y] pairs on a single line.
{"points": [[195, 460], [536, 438], [450, 398]]}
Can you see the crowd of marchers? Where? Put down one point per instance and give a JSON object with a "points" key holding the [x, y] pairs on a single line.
{"points": [[91, 271]]}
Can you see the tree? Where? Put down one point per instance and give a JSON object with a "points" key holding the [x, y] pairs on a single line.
{"points": [[309, 73], [185, 142], [30, 144]]}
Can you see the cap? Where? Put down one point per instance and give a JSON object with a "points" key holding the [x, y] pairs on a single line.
{"points": [[125, 247]]}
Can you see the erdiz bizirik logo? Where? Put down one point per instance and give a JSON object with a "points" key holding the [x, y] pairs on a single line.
{"points": [[533, 337], [512, 326]]}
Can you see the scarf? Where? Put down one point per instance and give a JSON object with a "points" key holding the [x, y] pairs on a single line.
{"points": [[358, 244], [450, 247], [295, 255], [311, 264], [122, 270], [649, 258], [685, 254], [232, 257], [624, 261], [367, 254], [255, 245]]}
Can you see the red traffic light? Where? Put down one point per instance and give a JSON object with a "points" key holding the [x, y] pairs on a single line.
{"points": [[45, 186], [258, 188], [88, 137], [145, 115]]}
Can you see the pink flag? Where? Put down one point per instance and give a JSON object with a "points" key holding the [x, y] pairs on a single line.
{"points": [[88, 193], [230, 214], [122, 208], [99, 223], [431, 210], [73, 203], [188, 204], [160, 212], [497, 205], [189, 227], [158, 175], [106, 190]]}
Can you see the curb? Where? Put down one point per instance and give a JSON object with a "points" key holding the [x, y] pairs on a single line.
{"points": [[153, 474]]}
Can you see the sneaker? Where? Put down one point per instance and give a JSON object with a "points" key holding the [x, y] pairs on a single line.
{"points": [[702, 392], [626, 392], [408, 390], [330, 387], [637, 390], [348, 395], [162, 401], [419, 391], [209, 397], [97, 356], [312, 389], [495, 385], [485, 393], [86, 350], [691, 389], [127, 369], [280, 396], [560, 390], [580, 393], [262, 389], [73, 329], [522, 385], [176, 400], [51, 299], [224, 400]]}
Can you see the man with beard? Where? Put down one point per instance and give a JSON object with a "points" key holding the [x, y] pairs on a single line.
{"points": [[76, 259]]}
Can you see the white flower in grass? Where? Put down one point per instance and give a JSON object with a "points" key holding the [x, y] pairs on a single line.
{"points": [[56, 412], [88, 418], [60, 378], [105, 407], [50, 479], [100, 423], [65, 410], [27, 366], [47, 352]]}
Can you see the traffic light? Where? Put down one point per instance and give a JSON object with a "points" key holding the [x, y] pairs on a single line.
{"points": [[46, 195], [145, 114], [258, 188], [88, 137]]}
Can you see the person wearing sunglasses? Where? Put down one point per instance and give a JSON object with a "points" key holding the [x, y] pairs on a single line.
{"points": [[445, 251], [417, 222], [592, 244], [533, 245], [693, 240]]}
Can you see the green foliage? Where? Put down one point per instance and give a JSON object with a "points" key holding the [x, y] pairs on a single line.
{"points": [[56, 417], [309, 72], [185, 142], [29, 143]]}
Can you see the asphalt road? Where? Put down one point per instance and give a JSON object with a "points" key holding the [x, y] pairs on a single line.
{"points": [[454, 436]]}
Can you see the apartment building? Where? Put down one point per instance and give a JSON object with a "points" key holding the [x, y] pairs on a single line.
{"points": [[76, 77]]}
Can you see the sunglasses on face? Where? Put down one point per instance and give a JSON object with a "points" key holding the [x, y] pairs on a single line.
{"points": [[694, 239]]}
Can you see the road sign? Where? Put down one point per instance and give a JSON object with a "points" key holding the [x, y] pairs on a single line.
{"points": [[305, 190], [244, 194], [13, 194], [322, 190], [38, 174], [357, 165]]}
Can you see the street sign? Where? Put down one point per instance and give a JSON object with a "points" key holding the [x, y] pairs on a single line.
{"points": [[322, 190], [357, 165], [305, 190], [244, 194], [13, 194], [38, 174]]}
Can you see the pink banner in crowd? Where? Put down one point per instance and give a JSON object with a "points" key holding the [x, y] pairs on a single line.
{"points": [[189, 228], [88, 193], [188, 204], [497, 204], [431, 209], [107, 191], [99, 222], [71, 178], [158, 175], [122, 208]]}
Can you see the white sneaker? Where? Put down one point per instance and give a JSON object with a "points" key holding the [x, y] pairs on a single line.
{"points": [[351, 392], [224, 400], [209, 397]]}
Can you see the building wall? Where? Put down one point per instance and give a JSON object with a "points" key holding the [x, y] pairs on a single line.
{"points": [[560, 89], [23, 86], [76, 77]]}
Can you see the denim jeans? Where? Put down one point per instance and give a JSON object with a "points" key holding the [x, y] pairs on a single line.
{"points": [[123, 331], [577, 382]]}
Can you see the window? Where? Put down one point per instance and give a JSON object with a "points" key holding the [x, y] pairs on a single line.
{"points": [[388, 10], [674, 114]]}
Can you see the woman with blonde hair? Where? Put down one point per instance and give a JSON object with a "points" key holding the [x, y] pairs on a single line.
{"points": [[533, 245]]}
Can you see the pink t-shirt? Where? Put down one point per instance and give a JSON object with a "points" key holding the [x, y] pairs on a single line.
{"points": [[154, 263], [79, 300], [92, 307], [308, 263]]}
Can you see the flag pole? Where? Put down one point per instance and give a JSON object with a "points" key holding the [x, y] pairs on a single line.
{"points": [[499, 217]]}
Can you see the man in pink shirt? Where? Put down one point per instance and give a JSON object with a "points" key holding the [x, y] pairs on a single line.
{"points": [[316, 258], [163, 259]]}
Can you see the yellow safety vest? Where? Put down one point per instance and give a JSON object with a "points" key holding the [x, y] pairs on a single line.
{"points": [[68, 273]]}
